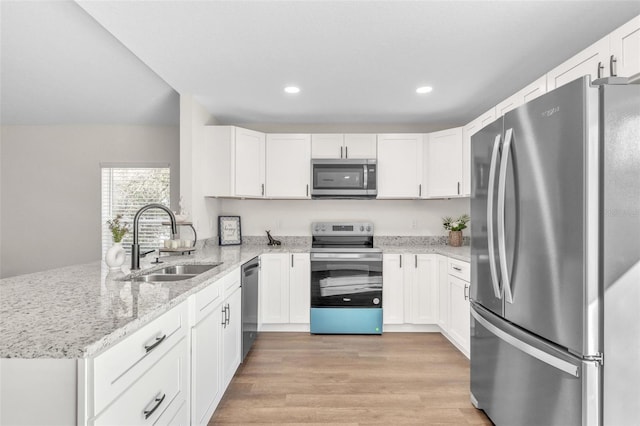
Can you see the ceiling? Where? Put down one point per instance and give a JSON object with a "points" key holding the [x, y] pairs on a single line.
{"points": [[355, 61]]}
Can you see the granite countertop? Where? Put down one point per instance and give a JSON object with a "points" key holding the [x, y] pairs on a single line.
{"points": [[78, 311]]}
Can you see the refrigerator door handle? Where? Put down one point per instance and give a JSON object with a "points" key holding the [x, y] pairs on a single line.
{"points": [[490, 234], [502, 194], [541, 355]]}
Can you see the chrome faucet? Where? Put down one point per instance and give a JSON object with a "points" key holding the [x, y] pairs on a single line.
{"points": [[135, 247]]}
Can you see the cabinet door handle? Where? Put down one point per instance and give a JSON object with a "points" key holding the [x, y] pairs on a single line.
{"points": [[340, 152], [612, 66], [292, 261], [416, 260], [149, 348], [224, 317], [400, 257], [458, 188], [419, 190], [600, 68], [466, 292], [263, 189], [158, 401], [228, 309], [307, 190], [346, 152]]}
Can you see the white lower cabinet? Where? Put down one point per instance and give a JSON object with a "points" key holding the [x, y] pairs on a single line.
{"points": [[299, 288], [157, 396], [285, 286], [456, 323], [145, 377], [443, 292], [423, 291], [231, 336], [206, 364], [459, 316], [216, 339], [392, 288], [409, 291]]}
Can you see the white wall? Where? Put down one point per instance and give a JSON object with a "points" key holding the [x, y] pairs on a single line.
{"points": [[202, 211], [50, 188], [390, 217]]}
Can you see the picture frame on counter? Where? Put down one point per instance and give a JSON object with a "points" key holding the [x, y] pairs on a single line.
{"points": [[229, 231]]}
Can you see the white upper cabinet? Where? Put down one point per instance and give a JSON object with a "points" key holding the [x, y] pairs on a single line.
{"points": [[400, 165], [233, 162], [288, 165], [337, 146], [625, 48], [593, 61], [360, 146], [327, 145], [249, 160], [468, 131], [218, 162], [530, 92], [443, 174]]}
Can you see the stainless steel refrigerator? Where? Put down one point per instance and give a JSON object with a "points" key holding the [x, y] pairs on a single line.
{"points": [[555, 259]]}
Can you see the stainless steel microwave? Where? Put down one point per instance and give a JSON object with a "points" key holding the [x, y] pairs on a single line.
{"points": [[343, 179]]}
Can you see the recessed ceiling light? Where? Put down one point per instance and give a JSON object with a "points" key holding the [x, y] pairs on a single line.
{"points": [[424, 89], [292, 89]]}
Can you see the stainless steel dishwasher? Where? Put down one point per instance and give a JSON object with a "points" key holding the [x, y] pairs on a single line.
{"points": [[250, 274]]}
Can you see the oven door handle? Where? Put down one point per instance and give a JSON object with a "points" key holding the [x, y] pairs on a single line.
{"points": [[346, 257]]}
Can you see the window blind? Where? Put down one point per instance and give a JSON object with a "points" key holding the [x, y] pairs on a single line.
{"points": [[124, 191]]}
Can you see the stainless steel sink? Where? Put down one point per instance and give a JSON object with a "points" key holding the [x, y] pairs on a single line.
{"points": [[175, 272], [162, 277], [187, 269]]}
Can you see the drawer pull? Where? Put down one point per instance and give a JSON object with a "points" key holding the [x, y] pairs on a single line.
{"points": [[457, 268], [158, 401], [159, 340]]}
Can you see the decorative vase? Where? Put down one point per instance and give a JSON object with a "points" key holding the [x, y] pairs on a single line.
{"points": [[115, 256], [455, 238]]}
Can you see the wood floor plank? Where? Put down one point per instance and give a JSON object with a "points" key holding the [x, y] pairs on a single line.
{"points": [[344, 380]]}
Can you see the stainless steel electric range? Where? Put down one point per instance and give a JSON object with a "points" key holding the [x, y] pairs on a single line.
{"points": [[346, 279]]}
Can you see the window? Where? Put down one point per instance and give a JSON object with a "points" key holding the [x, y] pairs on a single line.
{"points": [[125, 189]]}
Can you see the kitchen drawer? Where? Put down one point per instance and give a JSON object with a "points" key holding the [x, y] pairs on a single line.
{"points": [[207, 300], [120, 366], [155, 398], [231, 281], [460, 269]]}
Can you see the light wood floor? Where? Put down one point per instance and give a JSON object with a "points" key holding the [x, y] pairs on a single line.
{"points": [[393, 379]]}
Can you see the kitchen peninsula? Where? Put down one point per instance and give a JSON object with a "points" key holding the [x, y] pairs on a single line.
{"points": [[56, 323]]}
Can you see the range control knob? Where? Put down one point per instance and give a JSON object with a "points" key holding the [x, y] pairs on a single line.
{"points": [[361, 228], [368, 228], [376, 301]]}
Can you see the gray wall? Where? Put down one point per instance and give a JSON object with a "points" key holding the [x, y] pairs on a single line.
{"points": [[50, 188]]}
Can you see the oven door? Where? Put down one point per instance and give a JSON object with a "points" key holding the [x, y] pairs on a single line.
{"points": [[346, 280]]}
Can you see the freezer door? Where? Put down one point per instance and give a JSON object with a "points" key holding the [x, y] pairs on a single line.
{"points": [[518, 379], [543, 236], [485, 163]]}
